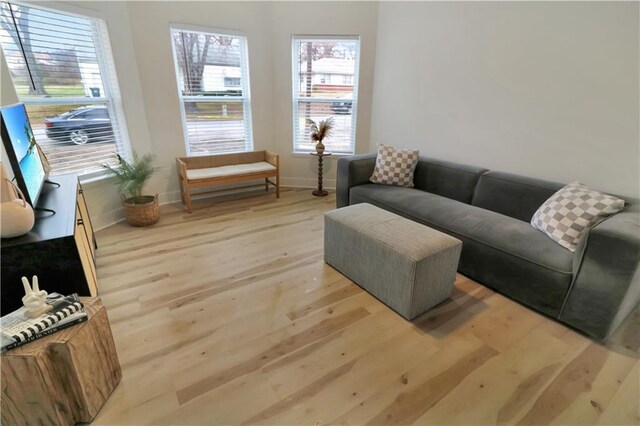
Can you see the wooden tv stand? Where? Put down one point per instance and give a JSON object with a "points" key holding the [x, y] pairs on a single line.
{"points": [[60, 249]]}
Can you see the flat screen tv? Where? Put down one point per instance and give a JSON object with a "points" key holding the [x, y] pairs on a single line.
{"points": [[23, 155]]}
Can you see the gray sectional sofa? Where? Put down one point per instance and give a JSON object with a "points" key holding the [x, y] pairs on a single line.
{"points": [[592, 290]]}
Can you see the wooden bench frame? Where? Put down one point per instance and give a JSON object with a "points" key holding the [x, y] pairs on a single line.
{"points": [[209, 161]]}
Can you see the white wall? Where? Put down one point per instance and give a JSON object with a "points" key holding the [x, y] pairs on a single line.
{"points": [[321, 18], [268, 27], [141, 44], [102, 197], [7, 97], [548, 90], [150, 23]]}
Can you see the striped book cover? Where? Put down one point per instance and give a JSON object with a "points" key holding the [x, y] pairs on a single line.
{"points": [[19, 328], [65, 323]]}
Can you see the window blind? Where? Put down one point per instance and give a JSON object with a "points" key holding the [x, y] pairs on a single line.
{"points": [[63, 71], [213, 85], [325, 84]]}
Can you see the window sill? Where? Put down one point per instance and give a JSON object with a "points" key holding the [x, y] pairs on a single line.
{"points": [[95, 177]]}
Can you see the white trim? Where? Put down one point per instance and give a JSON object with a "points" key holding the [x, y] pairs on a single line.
{"points": [[296, 39], [294, 81], [60, 7], [325, 37], [40, 101], [112, 217], [202, 29], [111, 86], [107, 219], [115, 216], [246, 92], [204, 99], [321, 100], [183, 113], [246, 87], [92, 177], [354, 104], [297, 182], [111, 98]]}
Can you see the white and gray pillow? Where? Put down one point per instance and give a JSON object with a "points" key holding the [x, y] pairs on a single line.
{"points": [[394, 166], [567, 215]]}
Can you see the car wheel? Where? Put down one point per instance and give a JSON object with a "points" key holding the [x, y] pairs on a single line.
{"points": [[79, 137]]}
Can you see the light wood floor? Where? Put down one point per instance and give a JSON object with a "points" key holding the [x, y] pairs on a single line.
{"points": [[230, 316]]}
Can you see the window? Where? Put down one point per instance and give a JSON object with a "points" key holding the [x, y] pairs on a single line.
{"points": [[213, 85], [315, 61], [62, 70], [232, 81]]}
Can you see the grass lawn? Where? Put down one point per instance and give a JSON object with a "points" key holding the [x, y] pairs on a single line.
{"points": [[37, 113], [53, 90]]}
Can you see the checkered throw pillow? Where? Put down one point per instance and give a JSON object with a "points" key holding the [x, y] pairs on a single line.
{"points": [[569, 213], [394, 166]]}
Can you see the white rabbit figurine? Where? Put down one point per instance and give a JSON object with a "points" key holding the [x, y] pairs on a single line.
{"points": [[34, 299]]}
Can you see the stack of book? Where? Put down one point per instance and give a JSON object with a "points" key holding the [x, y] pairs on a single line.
{"points": [[16, 328]]}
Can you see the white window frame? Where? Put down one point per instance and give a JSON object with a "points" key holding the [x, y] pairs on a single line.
{"points": [[246, 94], [295, 73], [112, 97]]}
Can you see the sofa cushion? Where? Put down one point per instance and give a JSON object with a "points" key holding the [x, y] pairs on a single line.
{"points": [[451, 180], [502, 252], [490, 228], [394, 166], [512, 195], [567, 215]]}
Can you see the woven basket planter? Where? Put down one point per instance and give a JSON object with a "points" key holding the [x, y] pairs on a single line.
{"points": [[142, 214]]}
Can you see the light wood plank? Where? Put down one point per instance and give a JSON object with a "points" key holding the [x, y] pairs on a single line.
{"points": [[229, 316], [624, 407]]}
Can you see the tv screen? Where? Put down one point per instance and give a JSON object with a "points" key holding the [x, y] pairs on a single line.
{"points": [[19, 143]]}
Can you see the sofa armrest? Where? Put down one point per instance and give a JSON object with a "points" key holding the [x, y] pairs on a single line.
{"points": [[353, 170], [606, 275]]}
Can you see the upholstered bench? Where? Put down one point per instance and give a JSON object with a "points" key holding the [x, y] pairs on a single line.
{"points": [[208, 170], [408, 266]]}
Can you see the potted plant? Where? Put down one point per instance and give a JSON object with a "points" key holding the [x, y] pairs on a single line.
{"points": [[320, 131], [131, 177]]}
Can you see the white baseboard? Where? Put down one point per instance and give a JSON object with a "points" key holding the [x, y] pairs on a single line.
{"points": [[293, 182], [112, 217], [107, 219]]}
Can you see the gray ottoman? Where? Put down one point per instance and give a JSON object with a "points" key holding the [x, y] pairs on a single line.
{"points": [[408, 266]]}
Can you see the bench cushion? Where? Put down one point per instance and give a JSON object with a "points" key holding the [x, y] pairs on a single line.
{"points": [[224, 171]]}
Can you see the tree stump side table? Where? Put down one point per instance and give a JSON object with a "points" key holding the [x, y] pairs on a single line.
{"points": [[319, 192], [63, 378]]}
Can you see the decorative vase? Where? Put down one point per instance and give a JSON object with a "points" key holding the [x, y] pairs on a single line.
{"points": [[320, 147], [143, 214], [8, 191], [17, 216]]}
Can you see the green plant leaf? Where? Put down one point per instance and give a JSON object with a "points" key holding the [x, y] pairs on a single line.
{"points": [[131, 177]]}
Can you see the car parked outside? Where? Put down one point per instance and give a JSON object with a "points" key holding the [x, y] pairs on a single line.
{"points": [[342, 107], [81, 125]]}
